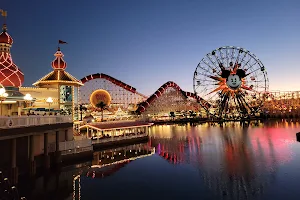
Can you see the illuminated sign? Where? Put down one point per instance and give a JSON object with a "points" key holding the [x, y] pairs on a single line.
{"points": [[100, 96]]}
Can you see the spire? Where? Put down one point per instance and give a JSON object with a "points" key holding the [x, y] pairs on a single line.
{"points": [[58, 63], [5, 38], [10, 74], [58, 75], [4, 28], [4, 15]]}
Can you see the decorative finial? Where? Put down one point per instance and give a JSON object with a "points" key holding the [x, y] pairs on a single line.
{"points": [[4, 14], [58, 63], [4, 28]]}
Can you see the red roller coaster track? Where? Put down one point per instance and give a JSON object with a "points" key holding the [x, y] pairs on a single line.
{"points": [[109, 78], [143, 106]]}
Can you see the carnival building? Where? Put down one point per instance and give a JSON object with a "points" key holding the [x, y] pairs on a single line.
{"points": [[11, 78], [57, 90]]}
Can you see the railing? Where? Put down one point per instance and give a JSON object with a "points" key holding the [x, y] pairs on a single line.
{"points": [[32, 120], [111, 139], [77, 150], [113, 122]]}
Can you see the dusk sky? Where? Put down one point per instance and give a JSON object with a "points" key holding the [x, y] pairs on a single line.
{"points": [[146, 43]]}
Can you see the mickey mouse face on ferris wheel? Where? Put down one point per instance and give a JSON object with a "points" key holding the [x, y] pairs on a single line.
{"points": [[233, 81]]}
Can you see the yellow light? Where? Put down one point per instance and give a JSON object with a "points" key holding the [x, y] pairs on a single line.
{"points": [[49, 100], [28, 97], [125, 160], [100, 95]]}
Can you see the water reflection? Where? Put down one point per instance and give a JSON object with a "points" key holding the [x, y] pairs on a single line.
{"points": [[57, 185], [109, 161], [207, 161], [235, 162], [66, 184]]}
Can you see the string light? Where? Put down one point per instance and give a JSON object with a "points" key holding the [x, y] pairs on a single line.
{"points": [[111, 79], [74, 188], [58, 75], [59, 63], [125, 160], [118, 125], [71, 79]]}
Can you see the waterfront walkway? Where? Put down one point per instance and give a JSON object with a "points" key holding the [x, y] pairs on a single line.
{"points": [[32, 120]]}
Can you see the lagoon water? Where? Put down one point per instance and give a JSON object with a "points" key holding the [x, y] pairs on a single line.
{"points": [[205, 161]]}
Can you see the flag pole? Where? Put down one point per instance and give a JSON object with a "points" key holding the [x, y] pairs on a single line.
{"points": [[61, 42]]}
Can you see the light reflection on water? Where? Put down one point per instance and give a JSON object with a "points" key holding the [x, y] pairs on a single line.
{"points": [[259, 161], [235, 162]]}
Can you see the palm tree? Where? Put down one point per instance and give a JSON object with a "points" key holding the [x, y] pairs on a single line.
{"points": [[102, 106], [192, 113], [172, 115]]}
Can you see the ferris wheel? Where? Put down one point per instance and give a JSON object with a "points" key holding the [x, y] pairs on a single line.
{"points": [[231, 83]]}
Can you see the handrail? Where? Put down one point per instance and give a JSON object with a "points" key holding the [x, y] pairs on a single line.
{"points": [[32, 120]]}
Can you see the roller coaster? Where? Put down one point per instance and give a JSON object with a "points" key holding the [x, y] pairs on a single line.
{"points": [[171, 98], [230, 83]]}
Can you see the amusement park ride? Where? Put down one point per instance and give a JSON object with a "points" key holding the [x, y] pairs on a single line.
{"points": [[233, 81], [230, 83], [234, 84]]}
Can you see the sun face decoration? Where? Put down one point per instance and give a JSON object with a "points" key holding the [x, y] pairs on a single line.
{"points": [[232, 82]]}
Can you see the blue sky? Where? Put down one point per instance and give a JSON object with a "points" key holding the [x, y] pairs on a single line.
{"points": [[146, 43]]}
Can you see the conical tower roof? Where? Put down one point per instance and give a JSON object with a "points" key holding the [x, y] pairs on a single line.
{"points": [[58, 75]]}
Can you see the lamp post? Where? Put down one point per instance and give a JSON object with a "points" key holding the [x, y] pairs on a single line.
{"points": [[49, 101], [28, 98], [3, 96]]}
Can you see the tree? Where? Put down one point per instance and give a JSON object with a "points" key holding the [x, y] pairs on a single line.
{"points": [[81, 109], [101, 106], [172, 115], [192, 114]]}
